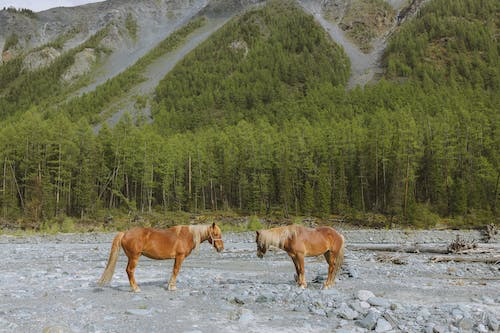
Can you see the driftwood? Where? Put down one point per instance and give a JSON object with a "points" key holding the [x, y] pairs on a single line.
{"points": [[396, 260], [400, 248], [489, 232], [487, 260], [459, 245]]}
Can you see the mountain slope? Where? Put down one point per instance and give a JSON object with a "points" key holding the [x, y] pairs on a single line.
{"points": [[462, 45], [254, 66]]}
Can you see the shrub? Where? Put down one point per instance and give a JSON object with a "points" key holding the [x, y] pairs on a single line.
{"points": [[422, 217], [254, 223]]}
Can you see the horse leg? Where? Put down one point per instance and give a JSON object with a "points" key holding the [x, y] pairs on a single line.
{"points": [[301, 271], [177, 266], [294, 259], [132, 263], [330, 259]]}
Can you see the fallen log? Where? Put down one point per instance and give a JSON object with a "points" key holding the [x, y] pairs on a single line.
{"points": [[400, 248], [416, 248], [487, 260]]}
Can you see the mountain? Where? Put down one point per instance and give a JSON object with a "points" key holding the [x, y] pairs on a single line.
{"points": [[96, 42], [383, 112]]}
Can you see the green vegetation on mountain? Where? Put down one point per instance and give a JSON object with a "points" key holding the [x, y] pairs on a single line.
{"points": [[453, 42], [11, 42], [131, 25], [260, 65], [21, 90], [257, 120]]}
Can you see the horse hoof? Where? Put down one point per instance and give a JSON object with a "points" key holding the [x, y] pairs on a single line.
{"points": [[136, 290], [172, 288], [326, 287], [302, 286]]}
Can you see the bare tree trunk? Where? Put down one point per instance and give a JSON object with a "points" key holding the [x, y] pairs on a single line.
{"points": [[4, 190], [69, 196], [212, 193], [495, 196], [58, 183], [17, 186], [362, 193], [150, 192], [407, 180], [163, 194], [240, 199], [189, 176], [376, 173], [384, 180]]}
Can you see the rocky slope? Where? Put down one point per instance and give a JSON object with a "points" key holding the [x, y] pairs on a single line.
{"points": [[131, 28]]}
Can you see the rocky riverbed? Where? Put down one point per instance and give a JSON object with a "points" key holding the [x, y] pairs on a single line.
{"points": [[48, 284]]}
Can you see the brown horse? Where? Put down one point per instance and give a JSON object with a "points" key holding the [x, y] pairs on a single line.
{"points": [[172, 243], [300, 242]]}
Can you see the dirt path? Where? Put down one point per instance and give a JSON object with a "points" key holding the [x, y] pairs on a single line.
{"points": [[50, 281]]}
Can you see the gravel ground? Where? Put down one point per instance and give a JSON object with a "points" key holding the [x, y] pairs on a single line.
{"points": [[48, 284]]}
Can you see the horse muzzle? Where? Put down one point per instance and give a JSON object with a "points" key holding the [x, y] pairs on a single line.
{"points": [[219, 247]]}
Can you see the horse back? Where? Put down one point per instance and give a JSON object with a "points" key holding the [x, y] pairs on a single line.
{"points": [[316, 241], [158, 243]]}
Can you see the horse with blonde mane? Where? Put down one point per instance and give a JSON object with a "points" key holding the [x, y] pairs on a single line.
{"points": [[300, 242], [172, 243]]}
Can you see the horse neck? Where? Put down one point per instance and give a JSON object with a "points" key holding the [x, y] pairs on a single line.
{"points": [[277, 236], [200, 233]]}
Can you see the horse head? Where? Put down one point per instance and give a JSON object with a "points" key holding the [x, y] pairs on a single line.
{"points": [[215, 237], [261, 248]]}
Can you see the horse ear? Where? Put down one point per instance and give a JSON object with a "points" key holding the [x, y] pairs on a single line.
{"points": [[257, 232], [213, 225]]}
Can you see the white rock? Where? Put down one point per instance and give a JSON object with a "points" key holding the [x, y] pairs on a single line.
{"points": [[383, 325], [364, 305], [346, 312], [246, 316], [379, 301], [364, 295], [481, 328]]}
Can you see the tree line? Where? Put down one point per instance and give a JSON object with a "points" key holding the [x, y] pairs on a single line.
{"points": [[399, 162]]}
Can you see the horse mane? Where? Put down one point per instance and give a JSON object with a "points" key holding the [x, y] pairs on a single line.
{"points": [[277, 236], [198, 232]]}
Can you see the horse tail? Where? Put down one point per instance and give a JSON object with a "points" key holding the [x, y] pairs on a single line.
{"points": [[113, 258], [339, 258]]}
